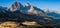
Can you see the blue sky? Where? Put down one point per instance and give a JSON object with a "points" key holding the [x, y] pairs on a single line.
{"points": [[51, 4]]}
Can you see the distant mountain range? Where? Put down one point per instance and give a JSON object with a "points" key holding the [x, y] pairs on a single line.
{"points": [[19, 12], [54, 14]]}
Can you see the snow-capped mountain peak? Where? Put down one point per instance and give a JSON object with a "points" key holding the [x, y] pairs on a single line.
{"points": [[31, 10], [46, 10], [15, 6], [27, 4]]}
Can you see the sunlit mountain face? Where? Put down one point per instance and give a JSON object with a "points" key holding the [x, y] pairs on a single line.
{"points": [[15, 6], [27, 9]]}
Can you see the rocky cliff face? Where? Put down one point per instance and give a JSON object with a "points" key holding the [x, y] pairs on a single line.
{"points": [[16, 6]]}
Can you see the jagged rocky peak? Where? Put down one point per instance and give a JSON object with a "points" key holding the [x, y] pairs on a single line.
{"points": [[26, 4], [15, 6], [31, 9], [46, 10], [36, 11]]}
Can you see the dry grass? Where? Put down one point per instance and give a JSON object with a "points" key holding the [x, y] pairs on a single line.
{"points": [[10, 24], [33, 23]]}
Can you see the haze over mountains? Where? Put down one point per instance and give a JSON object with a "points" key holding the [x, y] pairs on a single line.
{"points": [[55, 14]]}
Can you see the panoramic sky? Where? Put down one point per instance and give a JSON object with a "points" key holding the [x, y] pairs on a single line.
{"points": [[42, 4]]}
